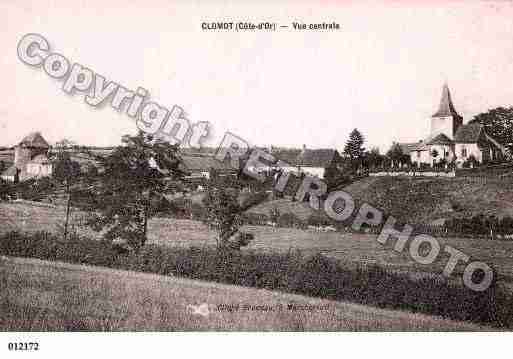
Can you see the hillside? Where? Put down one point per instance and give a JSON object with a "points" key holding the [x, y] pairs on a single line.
{"points": [[99, 299], [349, 247], [430, 200], [301, 210]]}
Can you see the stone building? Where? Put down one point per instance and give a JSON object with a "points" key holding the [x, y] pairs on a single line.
{"points": [[30, 159]]}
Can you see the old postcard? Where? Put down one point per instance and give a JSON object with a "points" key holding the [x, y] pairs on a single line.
{"points": [[218, 166]]}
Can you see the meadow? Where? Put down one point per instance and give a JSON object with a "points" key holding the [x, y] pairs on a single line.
{"points": [[45, 296], [348, 247]]}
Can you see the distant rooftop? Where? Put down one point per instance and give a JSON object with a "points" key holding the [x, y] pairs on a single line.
{"points": [[34, 140]]}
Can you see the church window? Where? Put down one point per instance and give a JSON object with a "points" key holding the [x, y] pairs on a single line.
{"points": [[463, 152]]}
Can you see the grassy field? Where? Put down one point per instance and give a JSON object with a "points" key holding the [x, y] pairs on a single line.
{"points": [[39, 296], [301, 210], [348, 247], [418, 200], [428, 200]]}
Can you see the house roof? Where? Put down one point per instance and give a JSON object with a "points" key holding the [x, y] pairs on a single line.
{"points": [[420, 146], [40, 159], [446, 107], [406, 148], [468, 133], [289, 156], [307, 157], [204, 163], [316, 158], [34, 139], [440, 139]]}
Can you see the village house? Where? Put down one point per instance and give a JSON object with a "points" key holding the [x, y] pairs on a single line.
{"points": [[314, 162], [30, 159], [453, 141], [198, 166]]}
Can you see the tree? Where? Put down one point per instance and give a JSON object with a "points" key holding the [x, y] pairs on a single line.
{"points": [[133, 178], [498, 123], [373, 158], [396, 155], [223, 214], [354, 146], [6, 190], [66, 172]]}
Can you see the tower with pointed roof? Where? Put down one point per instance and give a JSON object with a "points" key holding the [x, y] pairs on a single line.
{"points": [[30, 159], [446, 120]]}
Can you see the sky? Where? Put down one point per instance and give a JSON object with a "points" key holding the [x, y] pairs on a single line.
{"points": [[382, 72]]}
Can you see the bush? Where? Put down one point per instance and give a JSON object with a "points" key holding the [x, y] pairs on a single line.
{"points": [[470, 162], [6, 190], [274, 214], [316, 276], [250, 199], [480, 225], [290, 220], [255, 219], [319, 220]]}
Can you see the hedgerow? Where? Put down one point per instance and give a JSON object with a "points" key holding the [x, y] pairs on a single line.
{"points": [[316, 275]]}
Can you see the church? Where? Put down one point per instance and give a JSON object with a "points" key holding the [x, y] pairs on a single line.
{"points": [[453, 141]]}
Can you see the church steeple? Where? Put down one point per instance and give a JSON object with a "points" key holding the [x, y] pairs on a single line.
{"points": [[445, 120], [446, 107]]}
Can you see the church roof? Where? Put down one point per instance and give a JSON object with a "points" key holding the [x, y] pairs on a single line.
{"points": [[468, 133], [34, 139], [440, 139], [446, 107]]}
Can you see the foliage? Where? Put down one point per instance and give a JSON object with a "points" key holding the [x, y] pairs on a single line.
{"points": [[319, 220], [354, 146], [480, 224], [498, 123], [133, 176], [396, 155], [338, 175], [6, 190], [293, 272], [470, 162], [251, 199], [274, 214], [290, 220], [373, 158], [223, 214], [34, 189]]}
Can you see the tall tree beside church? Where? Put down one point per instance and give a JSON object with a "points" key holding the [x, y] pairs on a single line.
{"points": [[354, 147], [498, 123]]}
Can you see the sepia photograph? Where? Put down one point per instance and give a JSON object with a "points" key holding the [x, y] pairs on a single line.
{"points": [[193, 167]]}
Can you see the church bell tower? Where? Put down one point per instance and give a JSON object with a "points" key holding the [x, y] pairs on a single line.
{"points": [[446, 120]]}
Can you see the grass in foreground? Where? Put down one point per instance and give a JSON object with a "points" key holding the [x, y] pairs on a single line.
{"points": [[47, 296], [293, 272]]}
